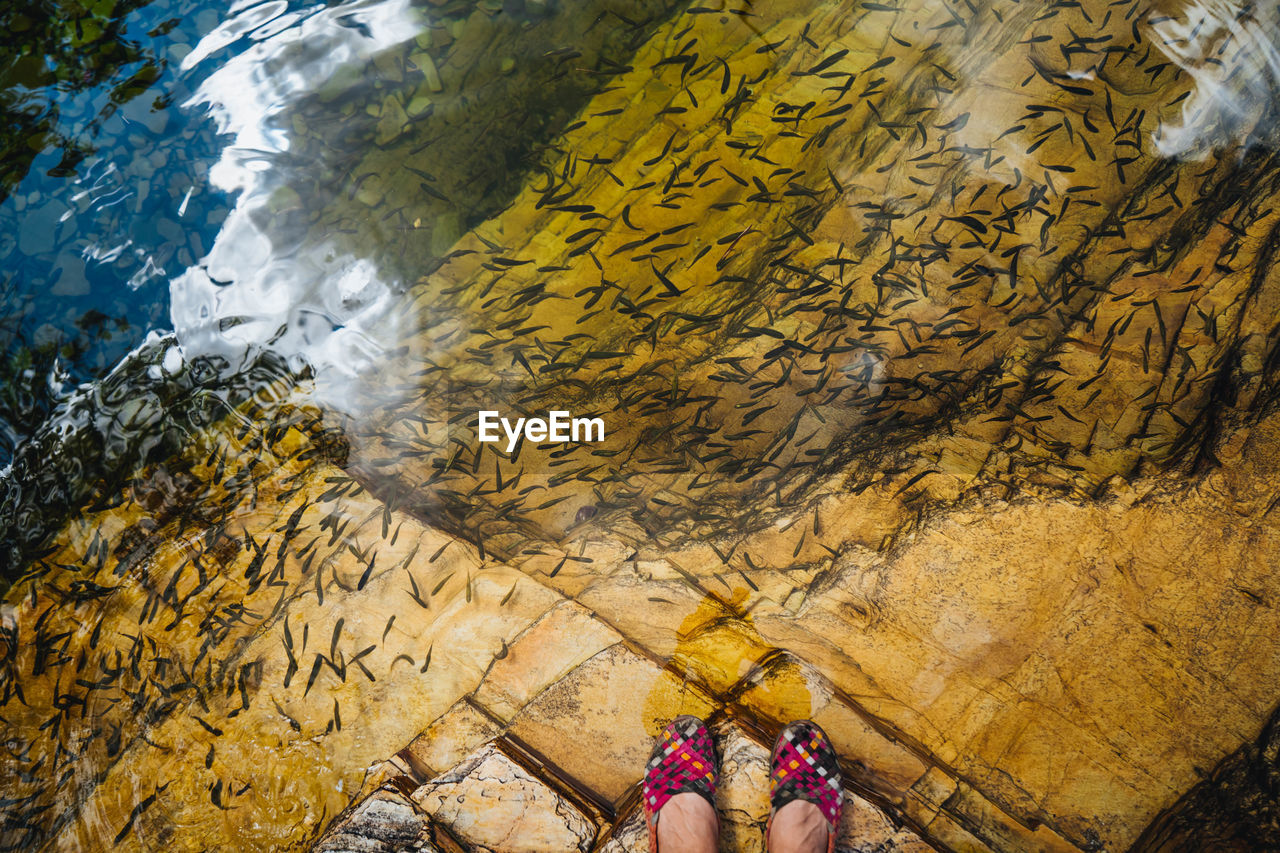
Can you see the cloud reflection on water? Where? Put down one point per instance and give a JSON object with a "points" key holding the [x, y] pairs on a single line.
{"points": [[272, 280], [1230, 50]]}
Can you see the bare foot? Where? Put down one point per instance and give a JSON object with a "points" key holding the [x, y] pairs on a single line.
{"points": [[798, 827], [687, 824]]}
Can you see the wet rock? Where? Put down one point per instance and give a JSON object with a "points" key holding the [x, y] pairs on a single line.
{"points": [[630, 836], [439, 38], [36, 231], [140, 110], [47, 334], [949, 521], [344, 78], [1236, 808], [540, 658], [787, 689], [424, 63], [390, 66], [283, 199], [616, 703], [449, 739], [70, 269], [171, 231], [386, 822], [392, 121], [370, 189], [206, 20], [446, 229], [419, 105], [496, 806], [742, 798]]}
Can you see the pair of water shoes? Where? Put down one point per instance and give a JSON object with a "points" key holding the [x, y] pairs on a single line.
{"points": [[804, 766]]}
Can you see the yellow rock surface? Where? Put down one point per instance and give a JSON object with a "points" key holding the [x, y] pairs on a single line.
{"points": [[891, 313], [489, 801]]}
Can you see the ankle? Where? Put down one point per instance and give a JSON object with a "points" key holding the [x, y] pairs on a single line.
{"points": [[687, 824], [798, 827]]}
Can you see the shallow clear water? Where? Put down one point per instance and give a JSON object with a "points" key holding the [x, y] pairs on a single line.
{"points": [[218, 199], [105, 192], [266, 262]]}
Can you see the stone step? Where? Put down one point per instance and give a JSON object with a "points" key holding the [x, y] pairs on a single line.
{"points": [[387, 821], [494, 805], [546, 752], [493, 801]]}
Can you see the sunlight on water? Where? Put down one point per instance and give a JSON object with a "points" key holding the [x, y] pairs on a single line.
{"points": [[825, 273], [269, 281], [1232, 52]]}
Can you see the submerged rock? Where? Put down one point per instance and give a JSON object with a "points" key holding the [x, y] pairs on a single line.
{"points": [[938, 410]]}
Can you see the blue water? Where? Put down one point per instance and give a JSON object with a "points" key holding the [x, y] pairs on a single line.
{"points": [[202, 204], [117, 198]]}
